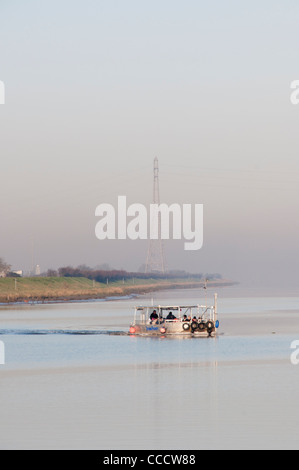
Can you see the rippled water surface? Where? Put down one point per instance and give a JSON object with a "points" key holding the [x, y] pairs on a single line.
{"points": [[74, 378]]}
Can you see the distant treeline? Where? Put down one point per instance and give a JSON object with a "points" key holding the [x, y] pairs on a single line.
{"points": [[114, 275]]}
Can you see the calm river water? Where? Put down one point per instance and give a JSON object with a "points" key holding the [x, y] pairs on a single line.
{"points": [[73, 380]]}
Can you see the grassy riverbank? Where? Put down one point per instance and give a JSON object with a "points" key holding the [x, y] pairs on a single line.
{"points": [[46, 289]]}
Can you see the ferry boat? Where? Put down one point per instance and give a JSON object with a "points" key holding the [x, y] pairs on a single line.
{"points": [[159, 320]]}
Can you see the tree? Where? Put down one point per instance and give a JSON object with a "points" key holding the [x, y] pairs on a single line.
{"points": [[52, 273], [4, 267]]}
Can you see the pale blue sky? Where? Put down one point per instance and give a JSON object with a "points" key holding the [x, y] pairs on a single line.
{"points": [[96, 89]]}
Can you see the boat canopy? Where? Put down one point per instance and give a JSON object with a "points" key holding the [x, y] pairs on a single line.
{"points": [[200, 311]]}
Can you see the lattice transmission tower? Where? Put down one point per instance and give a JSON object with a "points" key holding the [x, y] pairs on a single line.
{"points": [[155, 257]]}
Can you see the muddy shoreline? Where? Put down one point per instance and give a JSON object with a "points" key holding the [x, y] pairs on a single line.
{"points": [[105, 293]]}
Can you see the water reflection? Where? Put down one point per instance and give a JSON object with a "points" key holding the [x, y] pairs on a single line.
{"points": [[75, 369]]}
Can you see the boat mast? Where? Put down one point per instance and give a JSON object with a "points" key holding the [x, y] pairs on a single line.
{"points": [[215, 307]]}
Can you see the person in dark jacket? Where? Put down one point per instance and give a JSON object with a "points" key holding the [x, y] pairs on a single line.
{"points": [[170, 316], [154, 317]]}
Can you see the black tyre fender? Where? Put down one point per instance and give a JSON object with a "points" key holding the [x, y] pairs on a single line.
{"points": [[186, 326]]}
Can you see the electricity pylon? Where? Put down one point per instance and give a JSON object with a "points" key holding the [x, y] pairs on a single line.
{"points": [[155, 258]]}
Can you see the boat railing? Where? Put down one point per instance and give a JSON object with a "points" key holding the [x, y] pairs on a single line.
{"points": [[201, 312], [208, 313]]}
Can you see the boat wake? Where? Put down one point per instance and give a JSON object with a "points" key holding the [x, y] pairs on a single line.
{"points": [[61, 332]]}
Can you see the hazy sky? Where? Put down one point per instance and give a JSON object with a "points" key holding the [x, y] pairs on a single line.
{"points": [[96, 89]]}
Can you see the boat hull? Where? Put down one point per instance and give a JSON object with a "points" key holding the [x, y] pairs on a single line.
{"points": [[170, 329]]}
